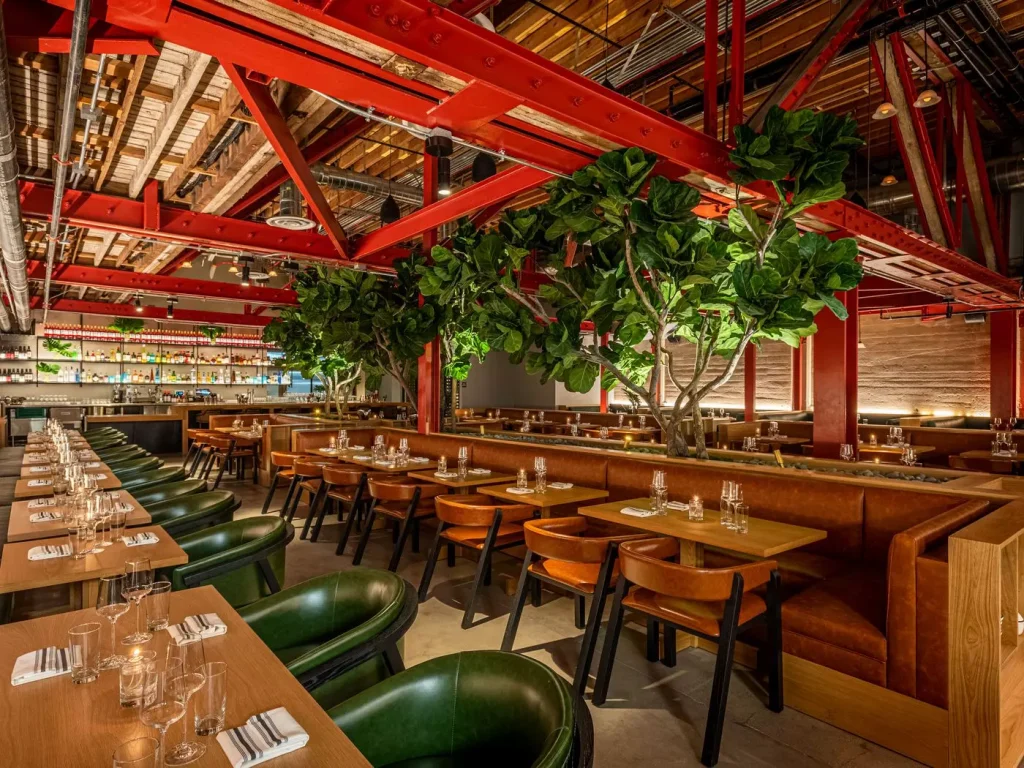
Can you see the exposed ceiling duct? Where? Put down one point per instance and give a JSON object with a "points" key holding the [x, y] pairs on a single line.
{"points": [[351, 181], [289, 210]]}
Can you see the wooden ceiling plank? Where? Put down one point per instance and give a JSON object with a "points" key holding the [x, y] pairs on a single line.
{"points": [[127, 100], [207, 135]]}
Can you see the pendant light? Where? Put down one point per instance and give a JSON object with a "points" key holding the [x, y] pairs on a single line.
{"points": [[927, 97], [186, 264], [138, 303], [389, 210], [886, 109], [245, 276], [170, 309], [483, 167], [889, 179]]}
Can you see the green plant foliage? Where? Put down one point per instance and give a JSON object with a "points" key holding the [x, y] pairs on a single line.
{"points": [[127, 326], [62, 348], [212, 332], [48, 368]]}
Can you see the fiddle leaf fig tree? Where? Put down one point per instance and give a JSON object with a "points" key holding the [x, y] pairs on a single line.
{"points": [[625, 254]]}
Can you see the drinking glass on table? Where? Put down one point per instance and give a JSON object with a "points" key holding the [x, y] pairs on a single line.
{"points": [[163, 698], [603, 432], [659, 492], [138, 583], [463, 461], [158, 606], [84, 650], [442, 465], [102, 511], [211, 702], [60, 493], [846, 452], [740, 517], [143, 752], [192, 653], [111, 604], [540, 470], [521, 480], [82, 539], [725, 503]]}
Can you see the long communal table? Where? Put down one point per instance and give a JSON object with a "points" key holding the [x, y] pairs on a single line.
{"points": [[21, 528]]}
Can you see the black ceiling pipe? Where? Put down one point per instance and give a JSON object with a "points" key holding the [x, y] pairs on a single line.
{"points": [[909, 14], [993, 39], [976, 59]]}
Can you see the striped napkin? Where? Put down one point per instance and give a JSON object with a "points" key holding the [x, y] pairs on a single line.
{"points": [[41, 664], [263, 737], [49, 551], [519, 491], [206, 625], [140, 539], [560, 486], [44, 517], [91, 465], [39, 470], [37, 503], [479, 471], [444, 475], [124, 507], [39, 483], [634, 512], [98, 476]]}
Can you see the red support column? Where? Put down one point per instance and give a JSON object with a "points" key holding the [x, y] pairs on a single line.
{"points": [[798, 386], [428, 396], [834, 397], [600, 377], [711, 67], [852, 363], [749, 383], [1003, 365], [736, 87]]}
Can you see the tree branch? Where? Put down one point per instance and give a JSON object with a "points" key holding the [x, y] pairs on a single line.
{"points": [[536, 308]]}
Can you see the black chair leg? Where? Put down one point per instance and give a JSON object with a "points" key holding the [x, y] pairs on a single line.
{"points": [[535, 598], [195, 462], [416, 536], [393, 659], [292, 487], [720, 685], [188, 456], [428, 570], [325, 508], [668, 649], [579, 683], [365, 538], [652, 639], [270, 493], [516, 612], [451, 555], [483, 568], [396, 555], [611, 642], [314, 508], [581, 611], [225, 462], [353, 518], [775, 694]]}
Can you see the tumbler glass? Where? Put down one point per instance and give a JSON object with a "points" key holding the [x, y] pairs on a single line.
{"points": [[158, 605], [84, 647], [143, 752], [212, 701]]}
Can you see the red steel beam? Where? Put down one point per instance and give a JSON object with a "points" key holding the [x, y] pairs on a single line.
{"points": [[177, 225], [275, 127], [159, 313], [1004, 363], [38, 28], [138, 282]]}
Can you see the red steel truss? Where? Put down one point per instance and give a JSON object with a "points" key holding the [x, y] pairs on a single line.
{"points": [[159, 313]]}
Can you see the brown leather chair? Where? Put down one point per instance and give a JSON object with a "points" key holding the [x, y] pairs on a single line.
{"points": [[346, 486], [308, 473], [476, 522], [712, 603], [575, 554], [281, 469], [228, 451], [202, 454], [406, 502]]}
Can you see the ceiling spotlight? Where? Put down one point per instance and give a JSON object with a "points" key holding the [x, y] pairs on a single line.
{"points": [[170, 309], [389, 211], [186, 264], [927, 98], [483, 166], [884, 111], [245, 276], [889, 180], [444, 177], [138, 304]]}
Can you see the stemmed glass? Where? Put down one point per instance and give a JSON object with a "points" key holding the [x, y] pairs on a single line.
{"points": [[137, 584], [163, 698], [111, 604], [725, 503], [192, 656]]}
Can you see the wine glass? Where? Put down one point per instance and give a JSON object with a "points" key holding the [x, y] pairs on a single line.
{"points": [[111, 604], [192, 656], [138, 582], [163, 698]]}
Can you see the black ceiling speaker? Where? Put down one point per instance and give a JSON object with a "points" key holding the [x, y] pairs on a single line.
{"points": [[389, 211], [483, 166]]}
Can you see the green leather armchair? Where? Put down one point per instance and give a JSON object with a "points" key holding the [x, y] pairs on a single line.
{"points": [[170, 491], [122, 452], [97, 431], [100, 443], [126, 467], [146, 480], [243, 559], [472, 708], [337, 633], [194, 512]]}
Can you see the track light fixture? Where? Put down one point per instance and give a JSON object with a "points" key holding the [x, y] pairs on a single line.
{"points": [[138, 303], [439, 144], [389, 210], [444, 177], [170, 308], [245, 276]]}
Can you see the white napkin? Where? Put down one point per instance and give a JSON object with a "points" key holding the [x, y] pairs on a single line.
{"points": [[634, 512], [357, 447], [44, 517], [49, 551], [140, 539], [124, 507], [37, 503], [519, 491], [39, 483], [560, 486], [36, 459], [263, 737], [328, 451], [41, 664], [39, 470], [418, 459], [98, 476], [363, 458], [205, 625], [479, 472], [446, 475], [92, 465], [677, 505]]}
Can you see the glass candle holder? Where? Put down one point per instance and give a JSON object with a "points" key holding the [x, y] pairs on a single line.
{"points": [[133, 677], [695, 511]]}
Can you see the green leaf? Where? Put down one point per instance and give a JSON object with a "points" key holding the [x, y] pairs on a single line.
{"points": [[837, 307]]}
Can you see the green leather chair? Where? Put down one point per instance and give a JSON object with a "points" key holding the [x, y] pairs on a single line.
{"points": [[469, 709], [112, 435], [146, 480], [337, 633], [107, 442], [170, 491], [126, 467], [97, 431], [194, 512], [122, 452], [243, 559]]}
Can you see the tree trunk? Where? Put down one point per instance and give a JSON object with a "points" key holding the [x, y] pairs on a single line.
{"points": [[701, 448], [675, 438]]}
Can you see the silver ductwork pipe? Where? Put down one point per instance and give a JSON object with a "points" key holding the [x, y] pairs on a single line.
{"points": [[12, 234], [69, 108], [290, 201], [351, 181]]}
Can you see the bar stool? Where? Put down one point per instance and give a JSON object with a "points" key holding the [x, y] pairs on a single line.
{"points": [[345, 487], [281, 468], [308, 472], [474, 521], [579, 555], [712, 603], [406, 502]]}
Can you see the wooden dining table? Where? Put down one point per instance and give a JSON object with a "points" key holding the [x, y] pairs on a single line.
{"points": [[350, 456], [31, 458], [466, 485], [46, 470], [56, 724], [28, 487], [552, 502], [21, 528], [889, 454], [18, 573]]}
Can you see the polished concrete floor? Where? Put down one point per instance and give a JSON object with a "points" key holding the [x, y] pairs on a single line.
{"points": [[654, 715]]}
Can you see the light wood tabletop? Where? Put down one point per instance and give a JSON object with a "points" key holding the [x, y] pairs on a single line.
{"points": [[353, 457], [463, 486], [45, 470], [39, 457], [783, 440], [989, 456], [18, 573], [107, 481], [57, 724], [764, 539], [20, 528], [897, 450], [550, 499]]}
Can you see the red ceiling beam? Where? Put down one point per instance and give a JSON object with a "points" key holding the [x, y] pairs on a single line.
{"points": [[176, 225], [268, 116], [38, 28], [138, 282], [470, 8], [159, 313]]}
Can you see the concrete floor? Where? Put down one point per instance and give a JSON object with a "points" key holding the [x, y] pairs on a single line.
{"points": [[654, 715]]}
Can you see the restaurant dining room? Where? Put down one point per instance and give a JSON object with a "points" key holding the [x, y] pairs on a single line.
{"points": [[511, 383]]}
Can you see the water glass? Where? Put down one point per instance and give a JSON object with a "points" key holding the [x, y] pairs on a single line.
{"points": [[332, 443], [521, 481], [143, 752], [132, 677], [695, 512], [846, 452], [138, 583], [82, 538], [622, 417], [643, 421], [116, 522], [725, 503], [84, 648], [540, 416], [442, 464], [192, 653], [603, 432], [158, 605], [212, 701], [574, 430], [740, 517]]}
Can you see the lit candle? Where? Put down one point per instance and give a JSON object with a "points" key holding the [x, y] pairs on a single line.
{"points": [[133, 676]]}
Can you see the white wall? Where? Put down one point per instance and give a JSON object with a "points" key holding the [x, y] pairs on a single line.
{"points": [[566, 399], [496, 382]]}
